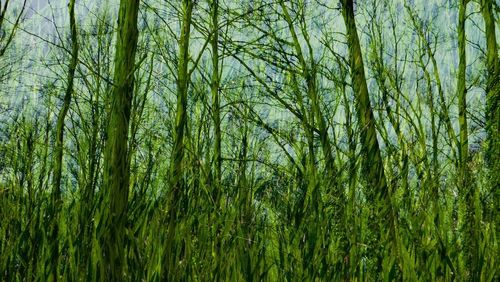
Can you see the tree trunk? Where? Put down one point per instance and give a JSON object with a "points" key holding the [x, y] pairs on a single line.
{"points": [[215, 85], [58, 150], [334, 190], [466, 185], [175, 197], [377, 191], [116, 174], [492, 105]]}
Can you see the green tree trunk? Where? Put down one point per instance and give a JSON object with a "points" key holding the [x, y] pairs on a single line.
{"points": [[215, 85], [116, 175], [7, 36], [175, 195], [334, 190], [58, 150], [380, 219], [182, 91], [217, 154], [461, 88], [467, 187], [492, 104]]}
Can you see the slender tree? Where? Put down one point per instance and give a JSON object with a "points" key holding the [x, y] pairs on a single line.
{"points": [[309, 72], [461, 89], [467, 187], [6, 35], [175, 196], [216, 115], [215, 90], [59, 146], [182, 91], [377, 190]]}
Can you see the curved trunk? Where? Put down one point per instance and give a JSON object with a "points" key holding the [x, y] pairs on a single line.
{"points": [[333, 189], [58, 150], [377, 191]]}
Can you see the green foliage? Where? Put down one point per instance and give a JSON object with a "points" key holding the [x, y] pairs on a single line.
{"points": [[251, 141]]}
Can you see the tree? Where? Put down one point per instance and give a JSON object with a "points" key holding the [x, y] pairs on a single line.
{"points": [[215, 90], [176, 195], [467, 187], [116, 170], [59, 146], [377, 190], [492, 99], [6, 35]]}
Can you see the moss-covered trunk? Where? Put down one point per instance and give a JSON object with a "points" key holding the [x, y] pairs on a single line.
{"points": [[116, 174], [492, 105]]}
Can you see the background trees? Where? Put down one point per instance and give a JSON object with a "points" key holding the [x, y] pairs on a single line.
{"points": [[249, 140]]}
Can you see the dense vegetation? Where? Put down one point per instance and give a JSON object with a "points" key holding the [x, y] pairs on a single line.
{"points": [[249, 140]]}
